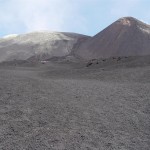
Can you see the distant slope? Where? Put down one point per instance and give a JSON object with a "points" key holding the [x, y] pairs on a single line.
{"points": [[37, 45], [125, 37]]}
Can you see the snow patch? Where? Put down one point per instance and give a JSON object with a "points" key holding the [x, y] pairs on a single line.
{"points": [[10, 36], [125, 22], [145, 30]]}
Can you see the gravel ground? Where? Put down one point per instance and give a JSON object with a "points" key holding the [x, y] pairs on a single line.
{"points": [[73, 109]]}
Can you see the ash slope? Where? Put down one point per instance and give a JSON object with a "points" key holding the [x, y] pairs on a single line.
{"points": [[38, 45], [125, 37], [61, 107]]}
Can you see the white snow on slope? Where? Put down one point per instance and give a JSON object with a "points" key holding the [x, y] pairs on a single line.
{"points": [[10, 36], [145, 30]]}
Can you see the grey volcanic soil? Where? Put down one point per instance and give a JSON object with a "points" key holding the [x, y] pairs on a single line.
{"points": [[65, 107]]}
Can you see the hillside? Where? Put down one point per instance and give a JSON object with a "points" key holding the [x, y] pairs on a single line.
{"points": [[41, 45], [125, 37]]}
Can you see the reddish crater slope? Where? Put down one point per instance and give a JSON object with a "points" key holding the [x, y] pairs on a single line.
{"points": [[125, 37]]}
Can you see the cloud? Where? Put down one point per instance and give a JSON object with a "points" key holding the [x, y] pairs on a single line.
{"points": [[81, 16], [44, 14], [41, 15]]}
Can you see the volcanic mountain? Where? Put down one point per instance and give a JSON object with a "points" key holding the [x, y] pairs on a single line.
{"points": [[125, 37], [38, 45]]}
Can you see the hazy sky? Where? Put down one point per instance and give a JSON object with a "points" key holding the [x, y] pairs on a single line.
{"points": [[81, 16]]}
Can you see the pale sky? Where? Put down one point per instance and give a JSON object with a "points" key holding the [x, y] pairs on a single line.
{"points": [[81, 16]]}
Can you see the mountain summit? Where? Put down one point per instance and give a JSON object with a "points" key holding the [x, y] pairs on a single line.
{"points": [[38, 45], [125, 37]]}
